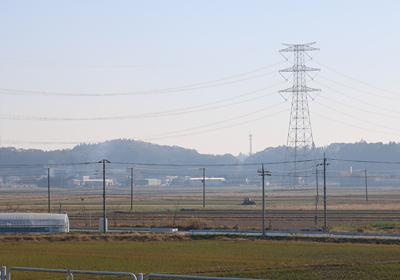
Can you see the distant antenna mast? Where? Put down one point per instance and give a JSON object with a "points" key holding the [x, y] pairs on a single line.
{"points": [[300, 154], [251, 147]]}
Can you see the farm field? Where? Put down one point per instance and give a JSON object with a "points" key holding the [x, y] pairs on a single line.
{"points": [[220, 257], [181, 207]]}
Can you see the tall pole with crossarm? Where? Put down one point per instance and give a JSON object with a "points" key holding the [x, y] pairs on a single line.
{"points": [[300, 155], [104, 161], [48, 188], [131, 168], [262, 172]]}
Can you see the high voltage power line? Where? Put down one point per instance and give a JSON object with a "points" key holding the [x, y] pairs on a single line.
{"points": [[193, 109], [351, 125], [353, 98], [359, 109], [356, 80], [219, 122], [186, 62], [360, 90], [202, 85], [224, 127], [199, 108], [190, 166], [163, 135], [356, 118]]}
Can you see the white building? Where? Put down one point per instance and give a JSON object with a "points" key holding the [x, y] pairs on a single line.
{"points": [[33, 222]]}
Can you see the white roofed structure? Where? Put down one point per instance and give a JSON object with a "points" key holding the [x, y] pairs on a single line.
{"points": [[33, 222]]}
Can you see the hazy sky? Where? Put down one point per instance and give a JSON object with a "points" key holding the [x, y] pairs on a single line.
{"points": [[197, 74]]}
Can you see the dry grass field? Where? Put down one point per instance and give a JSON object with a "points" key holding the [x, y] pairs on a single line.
{"points": [[183, 207], [183, 255], [214, 255]]}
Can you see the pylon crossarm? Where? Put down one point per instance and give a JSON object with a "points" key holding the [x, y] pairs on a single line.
{"points": [[300, 68]]}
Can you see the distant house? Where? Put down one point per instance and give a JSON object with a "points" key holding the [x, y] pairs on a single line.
{"points": [[148, 182], [209, 181], [177, 180], [90, 182]]}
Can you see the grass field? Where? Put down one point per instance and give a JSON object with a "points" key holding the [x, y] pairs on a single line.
{"points": [[221, 257], [179, 207], [166, 206]]}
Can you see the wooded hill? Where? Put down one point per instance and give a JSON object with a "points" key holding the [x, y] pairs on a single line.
{"points": [[360, 154]]}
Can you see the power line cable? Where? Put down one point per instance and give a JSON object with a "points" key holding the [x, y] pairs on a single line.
{"points": [[358, 100], [359, 109], [367, 161], [214, 83], [186, 110], [361, 82], [359, 119], [41, 164], [187, 62], [359, 90], [219, 128], [362, 61], [154, 137], [215, 123], [359, 127]]}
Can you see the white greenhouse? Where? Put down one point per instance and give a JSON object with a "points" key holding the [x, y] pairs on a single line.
{"points": [[33, 222]]}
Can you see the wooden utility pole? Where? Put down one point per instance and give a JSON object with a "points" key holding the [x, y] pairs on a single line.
{"points": [[104, 161], [263, 173], [204, 186], [48, 188], [131, 168], [325, 213], [366, 185], [317, 197]]}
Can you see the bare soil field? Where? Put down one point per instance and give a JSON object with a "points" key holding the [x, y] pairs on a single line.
{"points": [[241, 219], [183, 207]]}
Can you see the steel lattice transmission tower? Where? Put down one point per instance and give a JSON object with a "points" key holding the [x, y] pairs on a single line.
{"points": [[251, 144], [300, 154]]}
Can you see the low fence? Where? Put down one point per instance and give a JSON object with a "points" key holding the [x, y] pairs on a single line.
{"points": [[191, 277], [6, 275]]}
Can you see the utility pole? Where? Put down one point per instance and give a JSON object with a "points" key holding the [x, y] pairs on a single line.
{"points": [[316, 181], [325, 213], [104, 161], [316, 211], [204, 186], [300, 153], [317, 197], [48, 188], [131, 168], [263, 173], [366, 185]]}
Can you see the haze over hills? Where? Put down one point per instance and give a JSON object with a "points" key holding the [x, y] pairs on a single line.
{"points": [[121, 150], [341, 155], [347, 162], [131, 151]]}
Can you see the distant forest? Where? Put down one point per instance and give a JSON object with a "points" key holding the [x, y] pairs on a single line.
{"points": [[131, 151], [122, 153]]}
